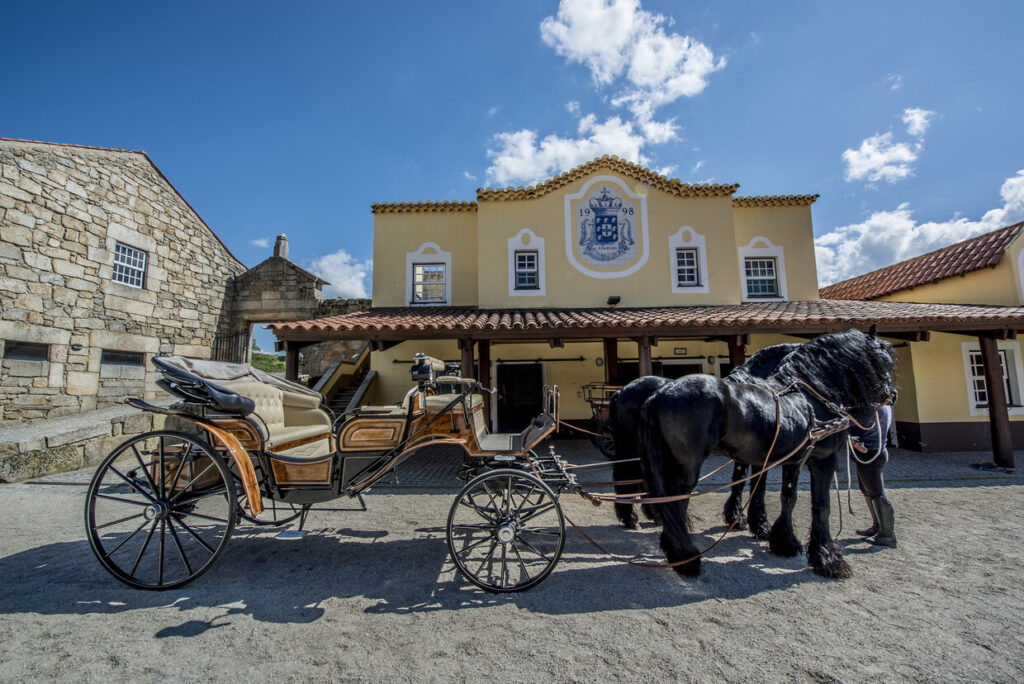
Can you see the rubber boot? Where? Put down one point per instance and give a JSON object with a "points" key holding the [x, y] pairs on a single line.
{"points": [[886, 520], [873, 530]]}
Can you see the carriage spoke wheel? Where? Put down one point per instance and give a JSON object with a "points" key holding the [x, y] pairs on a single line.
{"points": [[605, 439], [160, 510], [506, 531]]}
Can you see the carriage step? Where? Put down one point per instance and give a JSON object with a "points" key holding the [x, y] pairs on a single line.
{"points": [[505, 457], [291, 535]]}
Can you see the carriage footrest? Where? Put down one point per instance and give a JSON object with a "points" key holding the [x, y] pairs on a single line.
{"points": [[290, 535], [505, 457]]}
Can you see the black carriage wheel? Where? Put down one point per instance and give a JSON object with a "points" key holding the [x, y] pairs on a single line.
{"points": [[506, 531], [605, 439], [160, 510]]}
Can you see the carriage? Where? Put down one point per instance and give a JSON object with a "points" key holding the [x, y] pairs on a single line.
{"points": [[599, 396], [162, 506]]}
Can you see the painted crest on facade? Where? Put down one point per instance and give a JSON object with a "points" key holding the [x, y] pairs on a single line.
{"points": [[606, 228]]}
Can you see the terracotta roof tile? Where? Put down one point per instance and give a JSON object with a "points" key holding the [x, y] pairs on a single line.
{"points": [[672, 186], [800, 316], [958, 259], [775, 201]]}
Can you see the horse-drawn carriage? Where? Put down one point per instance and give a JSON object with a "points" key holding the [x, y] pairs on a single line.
{"points": [[161, 507]]}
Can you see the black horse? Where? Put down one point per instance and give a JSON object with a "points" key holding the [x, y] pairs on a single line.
{"points": [[624, 417], [683, 421]]}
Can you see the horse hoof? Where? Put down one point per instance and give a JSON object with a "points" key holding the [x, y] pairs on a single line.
{"points": [[782, 544], [761, 530], [836, 569], [632, 523], [691, 569], [649, 513]]}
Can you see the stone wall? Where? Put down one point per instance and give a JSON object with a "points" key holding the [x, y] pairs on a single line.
{"points": [[62, 211]]}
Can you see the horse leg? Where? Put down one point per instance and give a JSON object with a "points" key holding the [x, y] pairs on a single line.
{"points": [[675, 533], [781, 540], [757, 515], [733, 509], [823, 554], [625, 511]]}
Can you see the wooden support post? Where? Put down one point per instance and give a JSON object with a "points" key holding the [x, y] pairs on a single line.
{"points": [[611, 360], [291, 361], [998, 416], [484, 359], [466, 347], [737, 350], [644, 353]]}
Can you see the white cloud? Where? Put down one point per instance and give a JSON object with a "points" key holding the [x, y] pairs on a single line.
{"points": [[917, 120], [887, 237], [493, 111], [696, 167], [617, 39], [895, 81], [629, 50], [879, 158], [262, 242], [468, 176], [347, 276], [520, 157]]}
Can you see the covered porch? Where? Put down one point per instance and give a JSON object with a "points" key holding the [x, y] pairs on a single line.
{"points": [[477, 333]]}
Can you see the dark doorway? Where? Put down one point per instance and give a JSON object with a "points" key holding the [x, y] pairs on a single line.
{"points": [[678, 370], [520, 390]]}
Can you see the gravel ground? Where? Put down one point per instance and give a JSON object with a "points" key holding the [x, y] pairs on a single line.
{"points": [[372, 597]]}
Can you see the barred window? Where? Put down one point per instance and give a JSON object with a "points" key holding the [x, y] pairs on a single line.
{"points": [[526, 271], [129, 266], [762, 278], [687, 269], [112, 357], [428, 283]]}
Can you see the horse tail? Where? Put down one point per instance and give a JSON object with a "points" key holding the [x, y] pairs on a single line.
{"points": [[650, 447]]}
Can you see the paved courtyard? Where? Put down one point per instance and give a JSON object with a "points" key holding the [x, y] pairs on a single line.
{"points": [[373, 597]]}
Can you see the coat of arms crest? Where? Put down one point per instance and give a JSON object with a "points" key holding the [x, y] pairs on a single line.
{"points": [[605, 227]]}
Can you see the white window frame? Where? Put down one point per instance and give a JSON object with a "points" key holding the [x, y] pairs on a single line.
{"points": [[688, 238], [762, 248], [1013, 372], [428, 253], [132, 264], [526, 241], [526, 266]]}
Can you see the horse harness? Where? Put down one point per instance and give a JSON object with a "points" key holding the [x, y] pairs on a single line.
{"points": [[818, 431]]}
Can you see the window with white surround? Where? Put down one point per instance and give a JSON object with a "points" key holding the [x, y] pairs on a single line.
{"points": [[762, 277], [129, 266], [763, 271], [428, 282], [526, 265], [526, 270], [428, 276], [977, 387], [687, 269], [688, 261]]}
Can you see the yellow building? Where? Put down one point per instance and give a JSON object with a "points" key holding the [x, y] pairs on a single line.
{"points": [[944, 402], [600, 274]]}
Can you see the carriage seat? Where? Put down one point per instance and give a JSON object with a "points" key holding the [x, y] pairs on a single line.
{"points": [[298, 426]]}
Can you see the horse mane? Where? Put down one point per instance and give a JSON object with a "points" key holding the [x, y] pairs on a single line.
{"points": [[762, 364], [849, 368]]}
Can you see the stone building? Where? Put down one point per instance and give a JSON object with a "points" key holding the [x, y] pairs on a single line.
{"points": [[103, 264]]}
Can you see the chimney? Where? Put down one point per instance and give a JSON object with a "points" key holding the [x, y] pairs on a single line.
{"points": [[281, 246]]}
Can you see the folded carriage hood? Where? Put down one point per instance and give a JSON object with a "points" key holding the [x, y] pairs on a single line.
{"points": [[221, 371]]}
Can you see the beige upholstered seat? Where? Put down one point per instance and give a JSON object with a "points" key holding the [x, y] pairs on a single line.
{"points": [[298, 426]]}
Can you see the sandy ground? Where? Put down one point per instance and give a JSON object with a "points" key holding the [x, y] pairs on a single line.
{"points": [[372, 597]]}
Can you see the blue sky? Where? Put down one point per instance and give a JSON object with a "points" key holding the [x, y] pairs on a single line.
{"points": [[275, 117]]}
